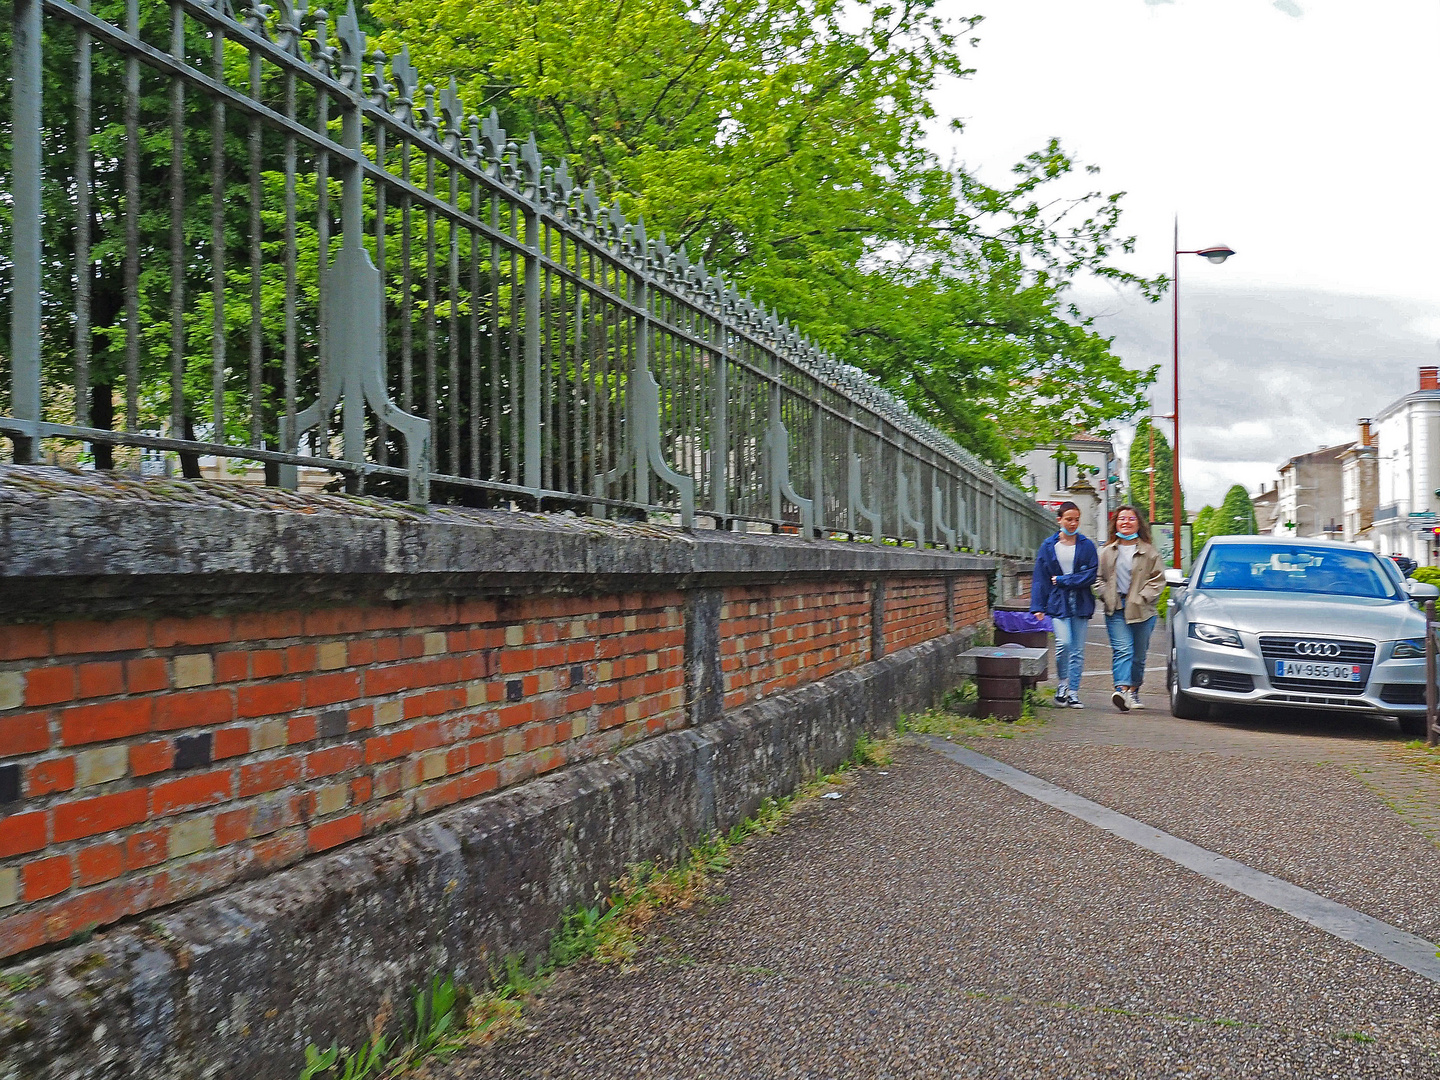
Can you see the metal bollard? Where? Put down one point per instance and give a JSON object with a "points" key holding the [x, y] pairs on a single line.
{"points": [[1429, 672]]}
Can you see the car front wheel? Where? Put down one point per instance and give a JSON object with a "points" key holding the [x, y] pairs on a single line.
{"points": [[1182, 705]]}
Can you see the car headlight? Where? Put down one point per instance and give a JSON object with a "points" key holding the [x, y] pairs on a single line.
{"points": [[1409, 649], [1216, 635]]}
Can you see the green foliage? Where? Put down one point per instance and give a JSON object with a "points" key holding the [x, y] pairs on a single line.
{"points": [[1164, 478], [1236, 516], [434, 1033], [1427, 575], [1203, 527], [782, 141]]}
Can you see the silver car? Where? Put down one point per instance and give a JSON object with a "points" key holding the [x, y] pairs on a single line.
{"points": [[1309, 624]]}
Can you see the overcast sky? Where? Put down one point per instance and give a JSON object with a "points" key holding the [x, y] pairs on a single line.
{"points": [[1299, 132]]}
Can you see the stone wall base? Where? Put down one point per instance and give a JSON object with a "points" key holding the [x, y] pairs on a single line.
{"points": [[236, 984]]}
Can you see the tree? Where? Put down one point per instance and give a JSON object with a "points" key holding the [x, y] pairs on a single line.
{"points": [[1236, 516], [1203, 527], [1164, 477], [782, 141]]}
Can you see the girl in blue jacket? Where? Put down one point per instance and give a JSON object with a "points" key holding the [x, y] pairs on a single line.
{"points": [[1065, 569]]}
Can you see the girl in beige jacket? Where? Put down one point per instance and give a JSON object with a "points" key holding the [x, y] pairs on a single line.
{"points": [[1129, 582]]}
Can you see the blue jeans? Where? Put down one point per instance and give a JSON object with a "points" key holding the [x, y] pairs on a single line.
{"points": [[1128, 644], [1069, 650]]}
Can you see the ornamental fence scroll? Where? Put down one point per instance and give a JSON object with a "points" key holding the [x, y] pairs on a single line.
{"points": [[239, 234]]}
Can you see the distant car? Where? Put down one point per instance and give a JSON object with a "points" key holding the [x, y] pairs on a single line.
{"points": [[1406, 565], [1309, 624]]}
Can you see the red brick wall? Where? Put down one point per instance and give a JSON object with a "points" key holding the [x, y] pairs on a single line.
{"points": [[776, 637], [159, 759], [147, 761], [972, 601], [914, 612]]}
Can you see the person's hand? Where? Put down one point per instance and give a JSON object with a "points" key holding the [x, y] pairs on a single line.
{"points": [[1054, 580]]}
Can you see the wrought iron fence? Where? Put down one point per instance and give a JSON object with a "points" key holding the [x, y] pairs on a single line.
{"points": [[238, 234]]}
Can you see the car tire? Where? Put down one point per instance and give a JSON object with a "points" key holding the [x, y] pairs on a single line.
{"points": [[1414, 726], [1182, 705]]}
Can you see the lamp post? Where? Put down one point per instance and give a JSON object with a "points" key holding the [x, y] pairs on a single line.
{"points": [[1217, 254]]}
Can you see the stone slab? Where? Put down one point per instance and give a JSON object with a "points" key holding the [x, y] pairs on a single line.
{"points": [[1004, 662]]}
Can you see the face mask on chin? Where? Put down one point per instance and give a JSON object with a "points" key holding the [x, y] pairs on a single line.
{"points": [[1069, 531], [1127, 536]]}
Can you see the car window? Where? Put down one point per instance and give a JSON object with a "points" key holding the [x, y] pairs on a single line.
{"points": [[1297, 570]]}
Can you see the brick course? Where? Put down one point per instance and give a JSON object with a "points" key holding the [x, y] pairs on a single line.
{"points": [[161, 759]]}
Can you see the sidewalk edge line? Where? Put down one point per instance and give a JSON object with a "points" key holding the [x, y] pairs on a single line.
{"points": [[1407, 950]]}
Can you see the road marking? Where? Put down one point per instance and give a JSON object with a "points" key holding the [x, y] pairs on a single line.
{"points": [[1408, 950]]}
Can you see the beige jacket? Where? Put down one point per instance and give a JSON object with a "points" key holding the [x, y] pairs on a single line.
{"points": [[1147, 581]]}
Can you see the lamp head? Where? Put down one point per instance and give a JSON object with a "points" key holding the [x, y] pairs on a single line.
{"points": [[1217, 254]]}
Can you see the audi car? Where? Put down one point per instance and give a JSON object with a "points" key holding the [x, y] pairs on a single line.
{"points": [[1308, 624]]}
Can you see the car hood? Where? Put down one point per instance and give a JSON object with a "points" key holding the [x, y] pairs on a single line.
{"points": [[1307, 613]]}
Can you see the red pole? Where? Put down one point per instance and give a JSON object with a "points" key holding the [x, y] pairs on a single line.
{"points": [[1175, 474]]}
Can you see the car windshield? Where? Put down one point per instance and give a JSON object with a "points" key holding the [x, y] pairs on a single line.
{"points": [[1297, 569]]}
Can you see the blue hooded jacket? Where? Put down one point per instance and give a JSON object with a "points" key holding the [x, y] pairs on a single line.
{"points": [[1070, 597]]}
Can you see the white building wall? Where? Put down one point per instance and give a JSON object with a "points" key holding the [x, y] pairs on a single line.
{"points": [[1409, 468], [1051, 478]]}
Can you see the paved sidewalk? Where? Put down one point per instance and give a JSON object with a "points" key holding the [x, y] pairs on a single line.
{"points": [[935, 923]]}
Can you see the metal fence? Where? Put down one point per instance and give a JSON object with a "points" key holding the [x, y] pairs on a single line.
{"points": [[239, 234]]}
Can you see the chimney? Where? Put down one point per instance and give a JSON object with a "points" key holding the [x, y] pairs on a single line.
{"points": [[1430, 378], [1367, 437]]}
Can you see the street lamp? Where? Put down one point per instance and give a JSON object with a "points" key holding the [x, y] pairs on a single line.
{"points": [[1217, 254]]}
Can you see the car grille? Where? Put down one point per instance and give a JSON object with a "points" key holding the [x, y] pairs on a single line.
{"points": [[1403, 693], [1351, 652], [1235, 682]]}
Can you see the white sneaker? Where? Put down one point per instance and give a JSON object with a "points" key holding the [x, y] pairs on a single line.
{"points": [[1135, 702], [1062, 697], [1074, 702], [1121, 700]]}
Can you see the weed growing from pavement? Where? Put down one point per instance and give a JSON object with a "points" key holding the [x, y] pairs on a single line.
{"points": [[449, 1018], [957, 726], [1357, 1036]]}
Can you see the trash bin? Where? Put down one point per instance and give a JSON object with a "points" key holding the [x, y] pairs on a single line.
{"points": [[1027, 628]]}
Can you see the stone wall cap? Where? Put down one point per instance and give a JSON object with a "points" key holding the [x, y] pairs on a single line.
{"points": [[58, 523]]}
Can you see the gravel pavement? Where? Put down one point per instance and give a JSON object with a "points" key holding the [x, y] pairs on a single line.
{"points": [[934, 923]]}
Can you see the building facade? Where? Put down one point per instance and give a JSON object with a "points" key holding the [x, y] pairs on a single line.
{"points": [[1054, 481], [1310, 498], [1407, 434], [1360, 486]]}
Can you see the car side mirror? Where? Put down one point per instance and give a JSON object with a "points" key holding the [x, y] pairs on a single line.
{"points": [[1419, 590], [1176, 578]]}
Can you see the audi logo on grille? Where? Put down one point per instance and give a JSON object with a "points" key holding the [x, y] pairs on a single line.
{"points": [[1317, 648]]}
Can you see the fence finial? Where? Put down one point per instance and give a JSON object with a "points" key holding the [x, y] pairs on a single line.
{"points": [[352, 47]]}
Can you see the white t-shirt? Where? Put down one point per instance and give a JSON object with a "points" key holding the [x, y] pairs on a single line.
{"points": [[1065, 554], [1123, 561]]}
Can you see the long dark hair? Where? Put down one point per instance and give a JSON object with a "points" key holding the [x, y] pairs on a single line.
{"points": [[1141, 525]]}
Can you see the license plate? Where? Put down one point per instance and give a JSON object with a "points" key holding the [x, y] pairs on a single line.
{"points": [[1305, 669]]}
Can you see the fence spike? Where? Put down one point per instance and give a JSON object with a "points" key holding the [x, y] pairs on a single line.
{"points": [[425, 115], [530, 168], [474, 145], [379, 85], [406, 79], [292, 19], [352, 47], [590, 205], [452, 110]]}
